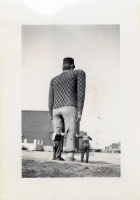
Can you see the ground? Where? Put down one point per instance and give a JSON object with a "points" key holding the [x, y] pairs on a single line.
{"points": [[40, 164]]}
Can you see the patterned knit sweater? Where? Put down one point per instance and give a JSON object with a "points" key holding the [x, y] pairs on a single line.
{"points": [[67, 89]]}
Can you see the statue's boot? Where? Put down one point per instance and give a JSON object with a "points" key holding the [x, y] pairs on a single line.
{"points": [[70, 157]]}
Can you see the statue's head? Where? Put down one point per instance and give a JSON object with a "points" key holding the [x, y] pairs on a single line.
{"points": [[68, 64]]}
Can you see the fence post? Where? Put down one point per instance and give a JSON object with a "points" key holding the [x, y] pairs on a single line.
{"points": [[25, 141], [38, 145], [35, 145], [41, 146]]}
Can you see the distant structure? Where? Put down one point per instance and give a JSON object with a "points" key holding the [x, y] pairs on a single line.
{"points": [[36, 125], [113, 147]]}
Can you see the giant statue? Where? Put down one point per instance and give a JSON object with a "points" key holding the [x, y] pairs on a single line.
{"points": [[66, 101]]}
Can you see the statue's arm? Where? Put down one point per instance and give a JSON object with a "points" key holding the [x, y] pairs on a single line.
{"points": [[51, 98], [81, 86], [89, 138]]}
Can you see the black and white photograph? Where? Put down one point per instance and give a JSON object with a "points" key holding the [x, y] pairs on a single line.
{"points": [[70, 101]]}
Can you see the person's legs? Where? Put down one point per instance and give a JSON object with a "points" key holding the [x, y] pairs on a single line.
{"points": [[69, 115], [87, 153], [55, 150], [60, 149], [82, 153], [54, 157]]}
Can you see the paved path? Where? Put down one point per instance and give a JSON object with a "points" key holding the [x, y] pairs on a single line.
{"points": [[102, 159]]}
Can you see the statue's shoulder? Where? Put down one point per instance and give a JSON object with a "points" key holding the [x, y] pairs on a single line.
{"points": [[55, 78], [80, 71]]}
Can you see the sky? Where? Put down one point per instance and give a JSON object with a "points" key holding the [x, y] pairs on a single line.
{"points": [[96, 50]]}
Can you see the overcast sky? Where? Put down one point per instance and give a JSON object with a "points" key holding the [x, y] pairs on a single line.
{"points": [[95, 50]]}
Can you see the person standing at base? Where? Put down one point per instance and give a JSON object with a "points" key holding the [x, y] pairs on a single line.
{"points": [[57, 139], [85, 146], [66, 101]]}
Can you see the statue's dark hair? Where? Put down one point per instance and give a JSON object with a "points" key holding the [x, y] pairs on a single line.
{"points": [[67, 66]]}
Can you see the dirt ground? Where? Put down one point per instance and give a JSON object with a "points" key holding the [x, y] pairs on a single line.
{"points": [[41, 165]]}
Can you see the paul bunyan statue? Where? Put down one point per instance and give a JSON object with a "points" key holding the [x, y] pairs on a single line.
{"points": [[66, 101]]}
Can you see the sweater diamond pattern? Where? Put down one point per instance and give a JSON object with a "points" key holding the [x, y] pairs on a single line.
{"points": [[67, 89]]}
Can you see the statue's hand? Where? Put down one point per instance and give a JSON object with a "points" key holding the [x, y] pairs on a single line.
{"points": [[78, 118]]}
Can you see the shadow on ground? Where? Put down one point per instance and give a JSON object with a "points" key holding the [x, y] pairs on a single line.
{"points": [[42, 169], [99, 162]]}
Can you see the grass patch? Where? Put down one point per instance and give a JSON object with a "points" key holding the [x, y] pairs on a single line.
{"points": [[36, 169]]}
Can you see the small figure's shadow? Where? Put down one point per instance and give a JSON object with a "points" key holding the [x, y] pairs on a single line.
{"points": [[102, 162], [98, 162]]}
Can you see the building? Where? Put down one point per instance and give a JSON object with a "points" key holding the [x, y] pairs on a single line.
{"points": [[38, 125], [119, 146], [113, 147], [107, 148]]}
